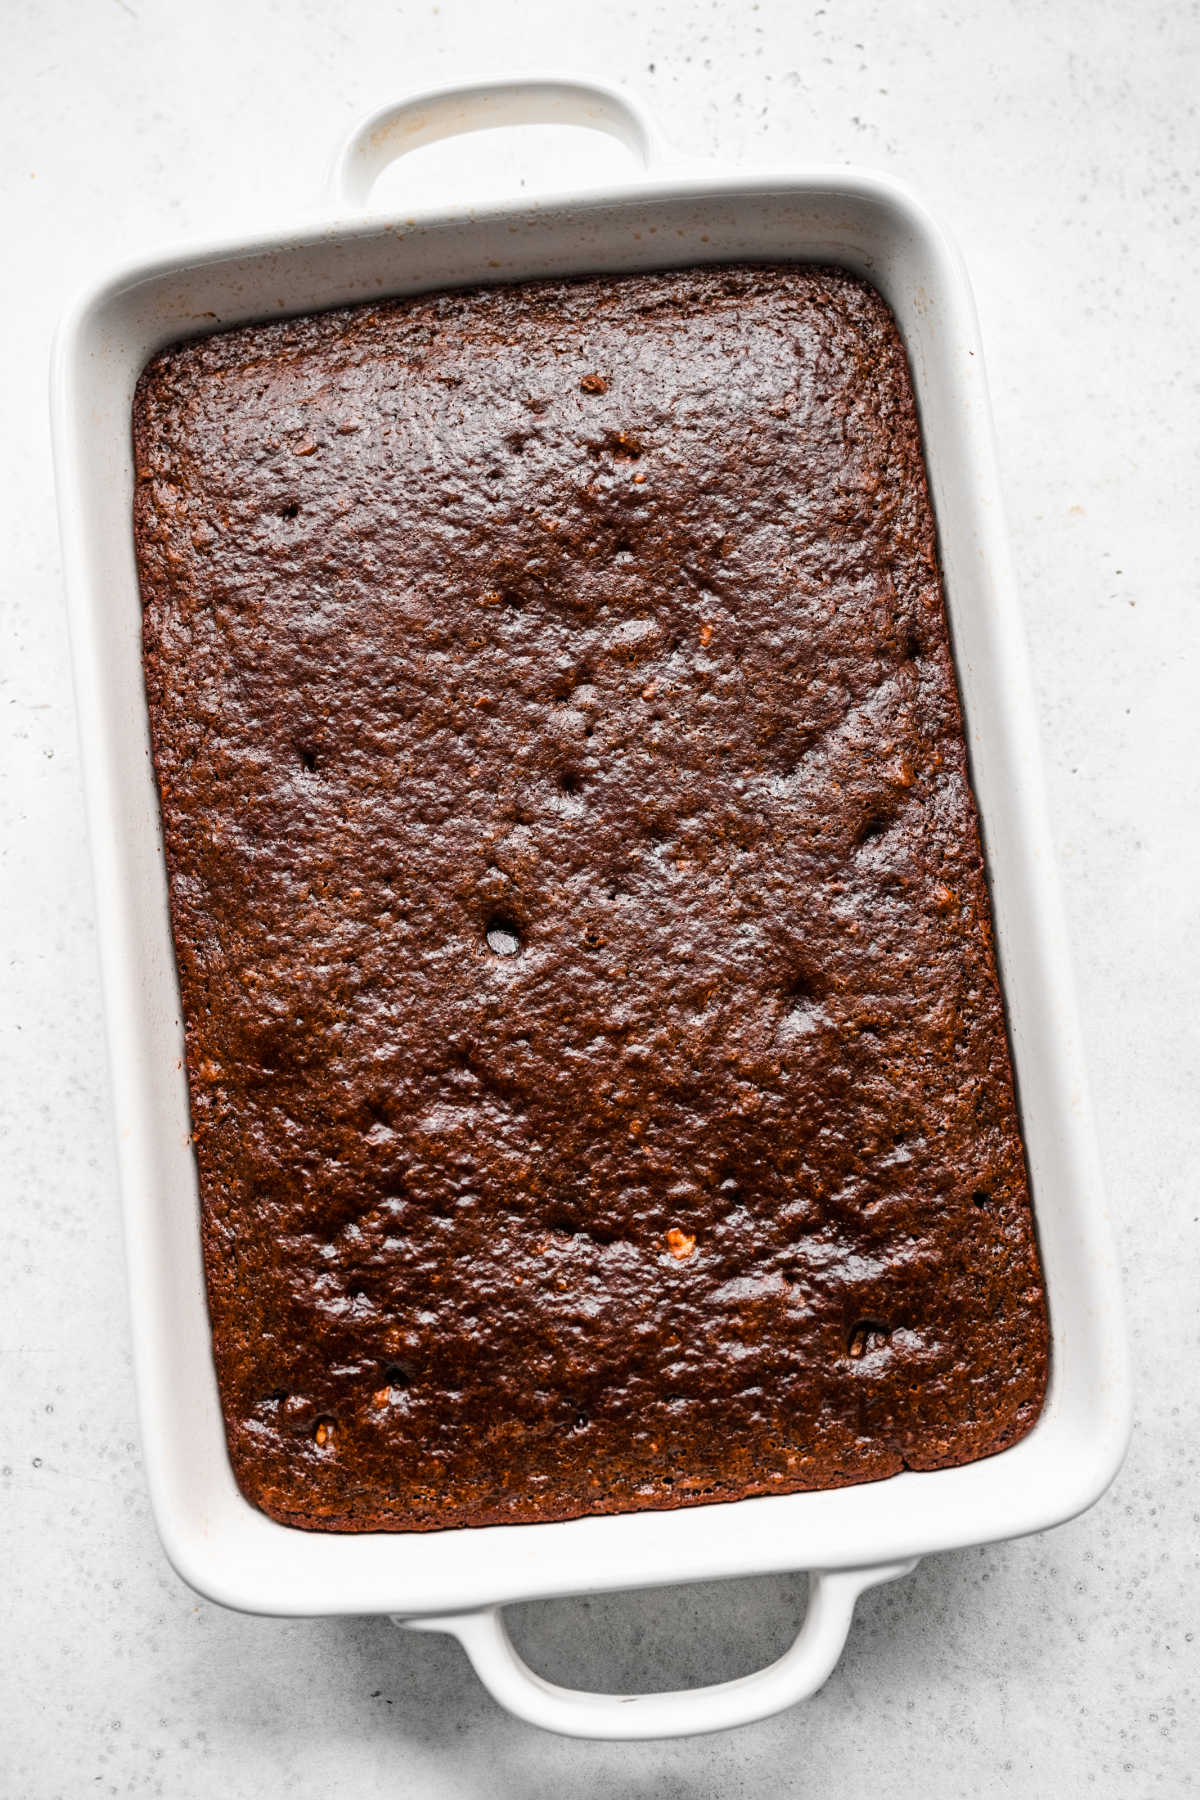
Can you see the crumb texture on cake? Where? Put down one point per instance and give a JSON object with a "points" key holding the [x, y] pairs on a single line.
{"points": [[599, 1079]]}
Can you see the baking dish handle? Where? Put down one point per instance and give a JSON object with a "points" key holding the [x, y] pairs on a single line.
{"points": [[425, 118], [799, 1672]]}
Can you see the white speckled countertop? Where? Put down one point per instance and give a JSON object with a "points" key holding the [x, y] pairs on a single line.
{"points": [[1060, 143]]}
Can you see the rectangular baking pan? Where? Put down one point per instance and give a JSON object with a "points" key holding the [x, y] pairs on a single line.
{"points": [[671, 213]]}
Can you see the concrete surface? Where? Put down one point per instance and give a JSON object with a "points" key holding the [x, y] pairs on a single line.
{"points": [[1059, 141]]}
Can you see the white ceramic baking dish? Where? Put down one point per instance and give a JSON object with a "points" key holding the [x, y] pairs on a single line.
{"points": [[670, 213]]}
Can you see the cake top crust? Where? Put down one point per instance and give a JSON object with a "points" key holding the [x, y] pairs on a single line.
{"points": [[599, 1081]]}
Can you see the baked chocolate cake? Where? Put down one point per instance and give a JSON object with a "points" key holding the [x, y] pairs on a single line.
{"points": [[599, 1079]]}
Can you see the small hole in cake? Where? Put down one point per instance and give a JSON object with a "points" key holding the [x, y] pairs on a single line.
{"points": [[911, 644], [868, 1335], [623, 551], [569, 782], [980, 1198], [290, 511], [308, 759], [801, 988], [873, 826], [595, 1232], [581, 1421], [668, 1481], [801, 1007], [503, 938], [397, 1376], [592, 937], [617, 444]]}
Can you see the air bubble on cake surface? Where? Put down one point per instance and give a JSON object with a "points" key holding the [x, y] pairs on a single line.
{"points": [[570, 791], [802, 1008], [621, 446], [393, 1388], [800, 1019], [868, 1335], [503, 938]]}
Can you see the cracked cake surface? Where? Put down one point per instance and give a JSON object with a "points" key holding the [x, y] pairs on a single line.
{"points": [[600, 1090]]}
